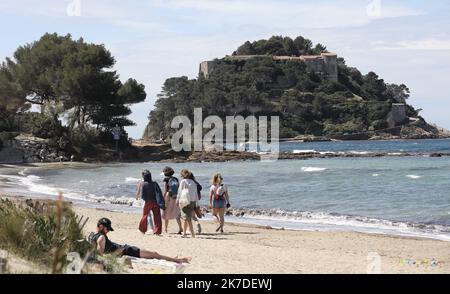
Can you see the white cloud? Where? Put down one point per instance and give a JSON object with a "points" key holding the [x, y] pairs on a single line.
{"points": [[431, 44], [117, 13], [139, 25], [278, 13], [308, 14]]}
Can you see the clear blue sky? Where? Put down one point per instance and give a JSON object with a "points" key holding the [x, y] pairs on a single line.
{"points": [[403, 41]]}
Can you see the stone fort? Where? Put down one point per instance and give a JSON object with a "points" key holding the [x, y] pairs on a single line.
{"points": [[325, 64]]}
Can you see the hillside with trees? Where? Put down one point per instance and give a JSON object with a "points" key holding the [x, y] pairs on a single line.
{"points": [[306, 103], [65, 91]]}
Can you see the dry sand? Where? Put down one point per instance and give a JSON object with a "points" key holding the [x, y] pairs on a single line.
{"points": [[249, 249]]}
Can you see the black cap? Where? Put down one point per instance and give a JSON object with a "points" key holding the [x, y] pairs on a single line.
{"points": [[106, 222]]}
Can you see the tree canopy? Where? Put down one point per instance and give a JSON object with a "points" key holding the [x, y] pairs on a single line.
{"points": [[72, 82], [280, 46], [72, 76]]}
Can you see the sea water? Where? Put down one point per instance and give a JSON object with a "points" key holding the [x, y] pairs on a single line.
{"points": [[390, 195]]}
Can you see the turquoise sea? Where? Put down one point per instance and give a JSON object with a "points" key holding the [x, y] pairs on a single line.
{"points": [[390, 195]]}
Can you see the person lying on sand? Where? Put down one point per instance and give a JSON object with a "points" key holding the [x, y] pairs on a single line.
{"points": [[104, 245]]}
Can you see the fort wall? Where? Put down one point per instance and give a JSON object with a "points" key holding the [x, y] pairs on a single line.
{"points": [[324, 65], [397, 116]]}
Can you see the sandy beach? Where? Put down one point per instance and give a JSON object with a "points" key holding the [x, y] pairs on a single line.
{"points": [[245, 249]]}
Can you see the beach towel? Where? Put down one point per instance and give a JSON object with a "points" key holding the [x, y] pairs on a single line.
{"points": [[156, 266]]}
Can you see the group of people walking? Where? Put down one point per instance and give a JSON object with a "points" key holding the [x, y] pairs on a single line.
{"points": [[179, 200]]}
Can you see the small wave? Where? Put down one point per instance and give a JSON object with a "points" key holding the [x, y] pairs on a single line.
{"points": [[84, 181], [360, 152], [414, 177], [33, 185], [33, 178], [119, 200], [375, 175], [330, 221], [131, 180], [303, 151], [310, 169], [22, 172]]}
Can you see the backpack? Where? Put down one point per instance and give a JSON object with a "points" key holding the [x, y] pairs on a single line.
{"points": [[173, 187], [159, 197], [218, 196], [148, 191]]}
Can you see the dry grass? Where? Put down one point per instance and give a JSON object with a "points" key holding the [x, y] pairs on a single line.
{"points": [[42, 232]]}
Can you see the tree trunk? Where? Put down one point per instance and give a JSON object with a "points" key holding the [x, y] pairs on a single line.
{"points": [[77, 114]]}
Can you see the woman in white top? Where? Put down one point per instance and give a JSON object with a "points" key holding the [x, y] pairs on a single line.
{"points": [[187, 189], [219, 200]]}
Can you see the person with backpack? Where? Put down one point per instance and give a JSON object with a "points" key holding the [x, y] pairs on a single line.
{"points": [[197, 209], [219, 200], [154, 201], [187, 200], [170, 192]]}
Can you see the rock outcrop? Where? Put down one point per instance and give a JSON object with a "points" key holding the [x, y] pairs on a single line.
{"points": [[29, 149]]}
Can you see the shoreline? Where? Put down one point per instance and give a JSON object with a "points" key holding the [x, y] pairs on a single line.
{"points": [[277, 219], [253, 249], [295, 220]]}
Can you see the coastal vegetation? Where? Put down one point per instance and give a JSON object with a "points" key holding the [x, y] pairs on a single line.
{"points": [[48, 237], [41, 232], [67, 91], [306, 102]]}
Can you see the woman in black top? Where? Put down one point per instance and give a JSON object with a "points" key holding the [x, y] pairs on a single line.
{"points": [[199, 191]]}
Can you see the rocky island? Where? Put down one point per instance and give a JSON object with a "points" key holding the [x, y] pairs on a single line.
{"points": [[314, 92]]}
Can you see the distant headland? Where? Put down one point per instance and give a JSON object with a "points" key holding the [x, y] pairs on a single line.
{"points": [[314, 92]]}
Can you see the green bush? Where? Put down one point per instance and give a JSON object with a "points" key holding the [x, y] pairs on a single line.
{"points": [[377, 111], [40, 125], [81, 137], [349, 127], [314, 128], [42, 233], [379, 124], [286, 132], [5, 136]]}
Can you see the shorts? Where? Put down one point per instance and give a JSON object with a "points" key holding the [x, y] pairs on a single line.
{"points": [[132, 251], [188, 211], [219, 203]]}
